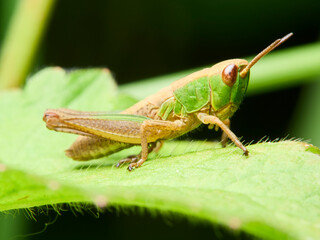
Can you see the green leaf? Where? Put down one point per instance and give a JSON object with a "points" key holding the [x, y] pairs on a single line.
{"points": [[274, 193]]}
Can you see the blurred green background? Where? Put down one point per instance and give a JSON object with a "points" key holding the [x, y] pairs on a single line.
{"points": [[142, 39]]}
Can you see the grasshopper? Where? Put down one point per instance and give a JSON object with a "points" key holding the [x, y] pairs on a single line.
{"points": [[209, 96]]}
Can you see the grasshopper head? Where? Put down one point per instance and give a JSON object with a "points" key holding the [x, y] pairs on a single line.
{"points": [[229, 81], [228, 87]]}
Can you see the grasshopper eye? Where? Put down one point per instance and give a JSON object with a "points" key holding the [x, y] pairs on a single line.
{"points": [[229, 74]]}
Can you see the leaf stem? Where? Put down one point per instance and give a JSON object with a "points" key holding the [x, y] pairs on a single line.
{"points": [[22, 39]]}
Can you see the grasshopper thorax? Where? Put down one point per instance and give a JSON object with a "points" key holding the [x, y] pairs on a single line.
{"points": [[219, 89]]}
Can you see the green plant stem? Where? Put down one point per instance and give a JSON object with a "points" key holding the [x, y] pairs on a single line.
{"points": [[277, 70], [306, 121], [21, 41], [6, 11]]}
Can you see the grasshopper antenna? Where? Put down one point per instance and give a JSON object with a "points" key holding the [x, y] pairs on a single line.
{"points": [[268, 49]]}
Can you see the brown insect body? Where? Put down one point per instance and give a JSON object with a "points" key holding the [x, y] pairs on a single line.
{"points": [[208, 96], [84, 147]]}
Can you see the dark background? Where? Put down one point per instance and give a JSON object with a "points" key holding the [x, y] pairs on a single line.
{"points": [[141, 39]]}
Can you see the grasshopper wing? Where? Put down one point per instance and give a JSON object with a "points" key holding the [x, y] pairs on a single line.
{"points": [[117, 127]]}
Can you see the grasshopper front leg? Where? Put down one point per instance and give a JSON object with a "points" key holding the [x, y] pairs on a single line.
{"points": [[209, 119]]}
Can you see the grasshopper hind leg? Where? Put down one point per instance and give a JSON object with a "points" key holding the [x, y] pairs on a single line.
{"points": [[155, 147]]}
